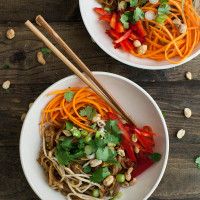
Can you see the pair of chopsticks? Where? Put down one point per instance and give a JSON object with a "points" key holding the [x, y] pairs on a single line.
{"points": [[92, 82]]}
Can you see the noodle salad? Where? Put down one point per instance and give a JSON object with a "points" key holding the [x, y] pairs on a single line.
{"points": [[88, 152], [155, 29]]}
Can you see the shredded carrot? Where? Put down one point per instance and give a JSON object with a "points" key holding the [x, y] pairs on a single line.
{"points": [[59, 110], [165, 42]]}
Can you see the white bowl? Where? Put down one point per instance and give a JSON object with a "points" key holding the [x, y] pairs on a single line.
{"points": [[97, 30], [134, 99]]}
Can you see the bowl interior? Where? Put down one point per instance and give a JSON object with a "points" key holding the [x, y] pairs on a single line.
{"points": [[97, 30], [134, 99]]}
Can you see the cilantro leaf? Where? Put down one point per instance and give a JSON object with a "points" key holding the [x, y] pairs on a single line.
{"points": [[105, 154], [88, 111], [161, 18], [164, 113], [164, 1], [45, 51], [138, 14], [133, 3], [197, 161], [69, 95], [87, 169], [67, 151], [66, 143], [155, 157], [164, 9], [62, 156], [114, 139], [68, 125], [112, 127], [100, 174], [125, 18], [94, 126]]}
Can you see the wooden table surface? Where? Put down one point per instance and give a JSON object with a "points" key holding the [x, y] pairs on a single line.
{"points": [[28, 79]]}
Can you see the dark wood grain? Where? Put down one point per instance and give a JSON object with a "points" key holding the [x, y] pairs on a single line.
{"points": [[28, 79]]}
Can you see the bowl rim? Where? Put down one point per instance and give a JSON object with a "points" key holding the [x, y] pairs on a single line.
{"points": [[140, 66], [166, 134]]}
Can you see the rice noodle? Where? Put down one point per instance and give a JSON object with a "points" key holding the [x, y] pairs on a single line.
{"points": [[77, 184]]}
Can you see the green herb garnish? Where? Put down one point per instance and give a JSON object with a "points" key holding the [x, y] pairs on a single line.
{"points": [[164, 9], [197, 162], [68, 125], [164, 113], [87, 169], [112, 127], [155, 157], [100, 174], [105, 154], [69, 95], [45, 51], [133, 3], [67, 151], [88, 111], [138, 14], [125, 18]]}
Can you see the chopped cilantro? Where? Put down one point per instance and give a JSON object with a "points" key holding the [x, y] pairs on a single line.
{"points": [[100, 174], [45, 51], [114, 139], [125, 18], [67, 152], [164, 1], [66, 143], [87, 169], [164, 113], [112, 127], [155, 157], [69, 95], [94, 126], [69, 125], [164, 9], [105, 154], [88, 111], [197, 162], [138, 14], [133, 3]]}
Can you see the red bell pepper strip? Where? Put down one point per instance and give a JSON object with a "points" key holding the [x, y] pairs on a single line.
{"points": [[113, 34], [126, 140], [124, 37], [112, 116], [113, 20], [139, 29], [133, 36], [119, 27], [127, 45], [105, 18], [142, 165], [101, 11]]}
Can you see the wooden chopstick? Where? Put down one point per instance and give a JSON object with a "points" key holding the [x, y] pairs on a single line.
{"points": [[74, 69], [42, 22]]}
